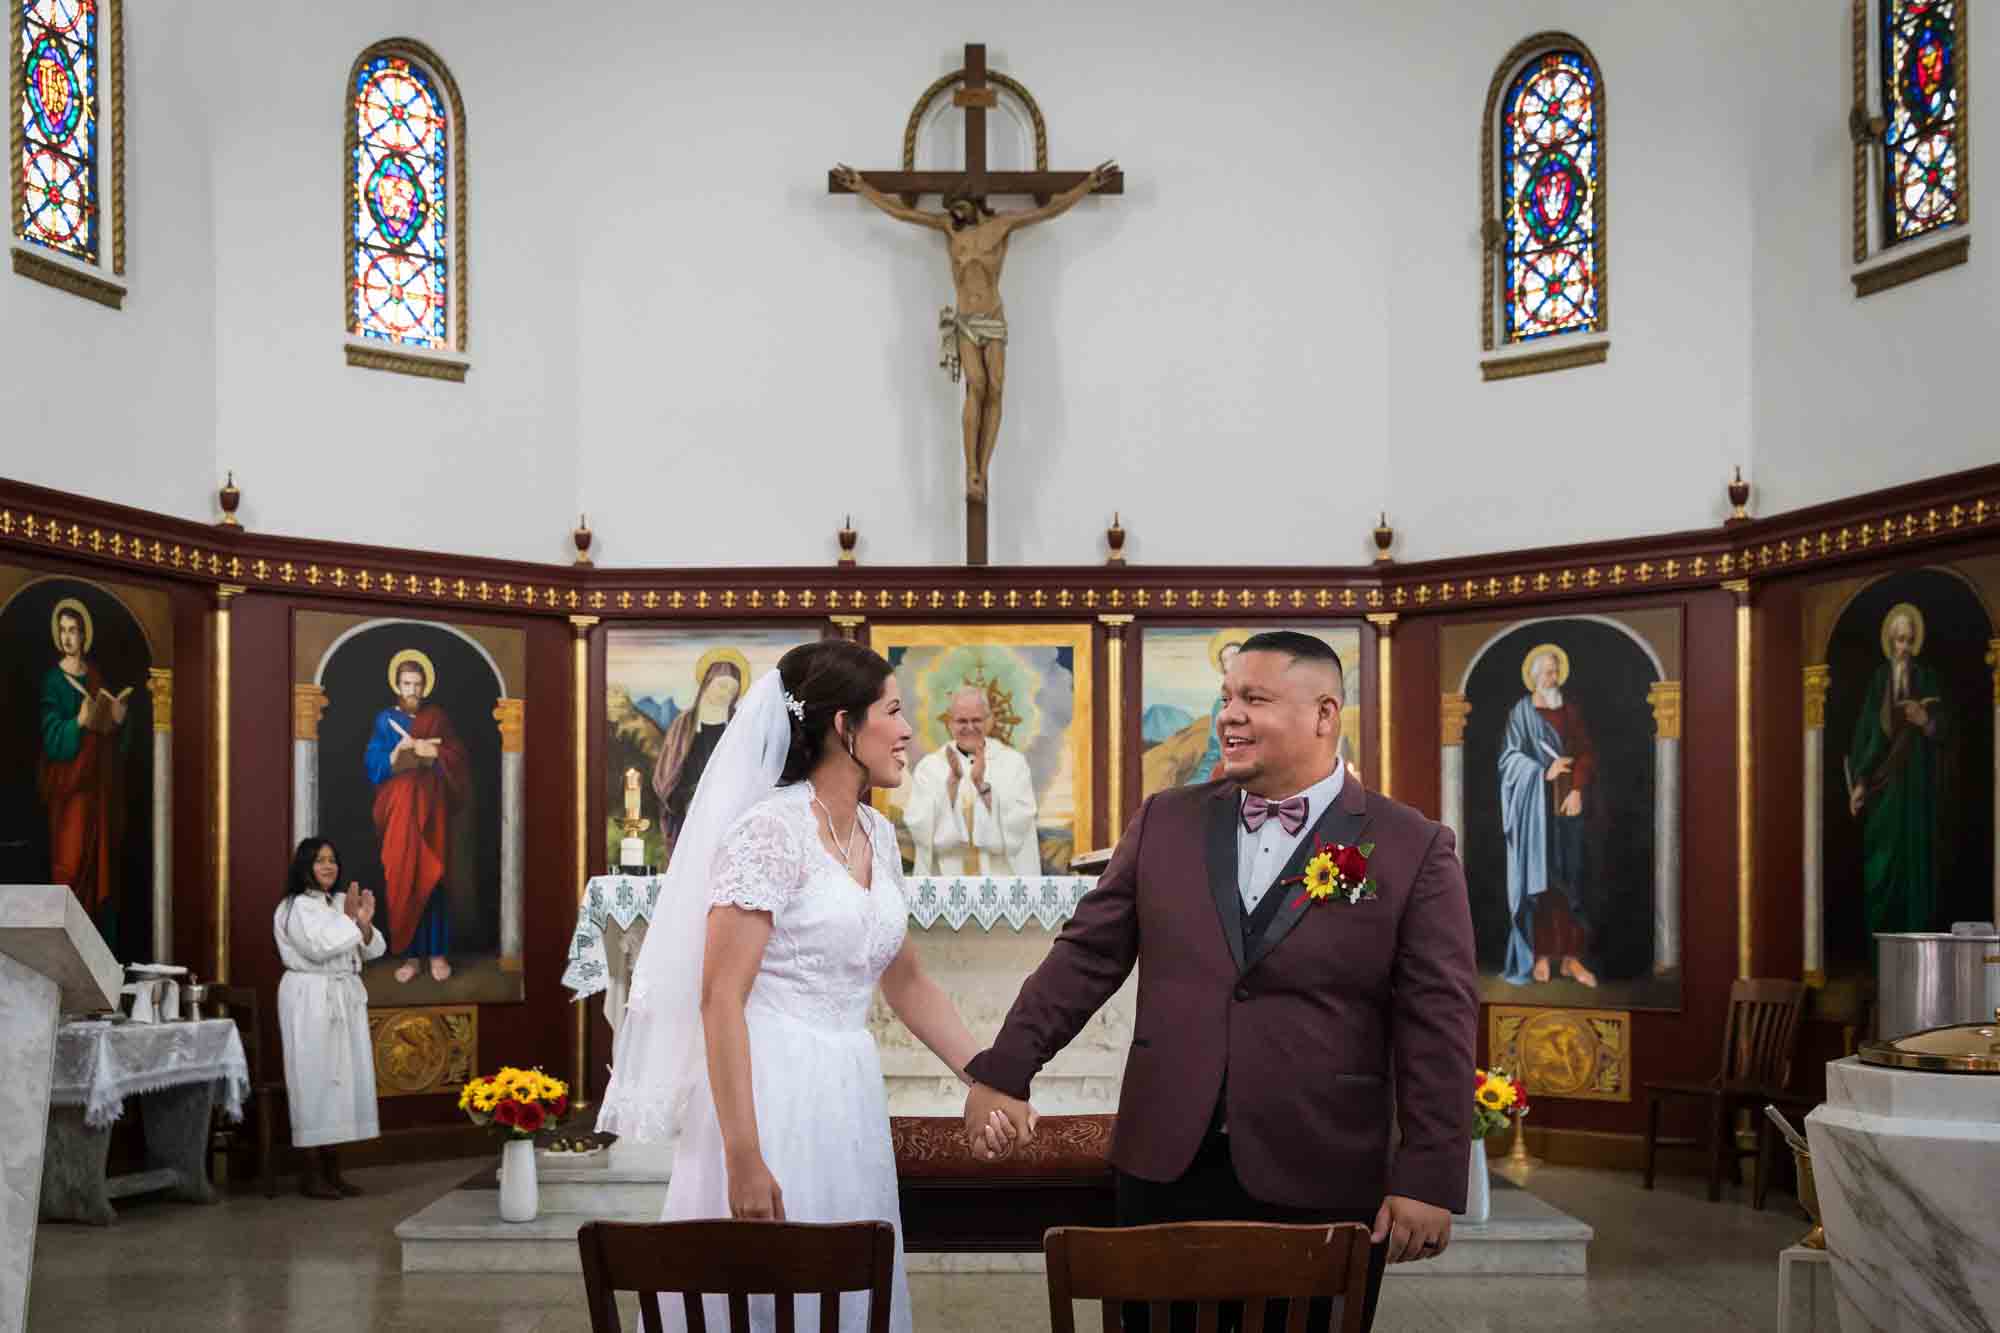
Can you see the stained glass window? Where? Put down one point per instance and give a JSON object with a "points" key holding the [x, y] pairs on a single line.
{"points": [[58, 195], [1920, 101], [401, 260], [1549, 144]]}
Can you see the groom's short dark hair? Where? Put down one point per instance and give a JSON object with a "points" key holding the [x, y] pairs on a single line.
{"points": [[1300, 648]]}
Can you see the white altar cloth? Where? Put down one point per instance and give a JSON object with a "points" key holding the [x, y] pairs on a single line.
{"points": [[99, 1063]]}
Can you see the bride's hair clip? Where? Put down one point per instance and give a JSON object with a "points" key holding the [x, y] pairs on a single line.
{"points": [[795, 706]]}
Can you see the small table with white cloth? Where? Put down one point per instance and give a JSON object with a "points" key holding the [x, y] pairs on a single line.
{"points": [[177, 1070]]}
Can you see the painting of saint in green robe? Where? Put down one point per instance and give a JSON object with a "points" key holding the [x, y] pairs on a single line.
{"points": [[1892, 772]]}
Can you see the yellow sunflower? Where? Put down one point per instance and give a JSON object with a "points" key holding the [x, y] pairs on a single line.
{"points": [[1496, 1094], [1321, 878]]}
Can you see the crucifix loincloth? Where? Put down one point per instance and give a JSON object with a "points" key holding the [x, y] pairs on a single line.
{"points": [[975, 329]]}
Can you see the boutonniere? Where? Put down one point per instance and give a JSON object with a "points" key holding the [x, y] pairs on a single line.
{"points": [[1337, 871]]}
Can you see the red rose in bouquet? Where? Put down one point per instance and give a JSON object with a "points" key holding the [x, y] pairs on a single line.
{"points": [[559, 1108], [530, 1119], [1352, 865], [507, 1113]]}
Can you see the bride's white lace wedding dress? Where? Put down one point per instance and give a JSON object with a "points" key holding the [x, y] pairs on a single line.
{"points": [[822, 1115]]}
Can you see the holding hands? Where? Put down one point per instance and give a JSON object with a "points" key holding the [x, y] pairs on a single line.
{"points": [[996, 1124]]}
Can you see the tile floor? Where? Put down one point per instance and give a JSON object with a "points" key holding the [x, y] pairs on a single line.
{"points": [[1666, 1261]]}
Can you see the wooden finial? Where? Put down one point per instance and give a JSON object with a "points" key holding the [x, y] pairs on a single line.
{"points": [[1114, 539], [1739, 499], [230, 497], [848, 536], [582, 539], [1385, 537]]}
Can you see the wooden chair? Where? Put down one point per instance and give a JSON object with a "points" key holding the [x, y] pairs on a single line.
{"points": [[737, 1260], [1758, 1043], [1208, 1264], [240, 1004]]}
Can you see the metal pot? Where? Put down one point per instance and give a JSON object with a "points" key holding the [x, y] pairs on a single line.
{"points": [[1932, 981]]}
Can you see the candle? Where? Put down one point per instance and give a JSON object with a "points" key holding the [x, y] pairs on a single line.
{"points": [[631, 793]]}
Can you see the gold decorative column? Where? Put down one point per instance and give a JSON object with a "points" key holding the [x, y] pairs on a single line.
{"points": [[1385, 627], [308, 706], [511, 717], [581, 626], [1453, 709], [1665, 698], [1745, 774], [224, 594], [1114, 699], [1813, 859], [848, 627], [160, 685]]}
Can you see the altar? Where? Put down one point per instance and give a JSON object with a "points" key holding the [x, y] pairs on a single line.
{"points": [[979, 936]]}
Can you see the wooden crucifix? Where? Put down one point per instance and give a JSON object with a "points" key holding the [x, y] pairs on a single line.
{"points": [[973, 335]]}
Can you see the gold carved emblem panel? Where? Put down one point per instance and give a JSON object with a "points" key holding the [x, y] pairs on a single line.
{"points": [[431, 1049], [1583, 1054]]}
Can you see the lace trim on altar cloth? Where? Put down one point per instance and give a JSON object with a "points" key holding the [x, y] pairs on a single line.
{"points": [[98, 1065]]}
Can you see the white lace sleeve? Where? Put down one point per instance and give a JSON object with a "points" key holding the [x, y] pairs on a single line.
{"points": [[760, 864]]}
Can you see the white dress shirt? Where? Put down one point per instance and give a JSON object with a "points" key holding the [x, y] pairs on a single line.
{"points": [[1261, 855]]}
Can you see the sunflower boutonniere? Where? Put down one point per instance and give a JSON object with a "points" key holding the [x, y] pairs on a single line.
{"points": [[1337, 871]]}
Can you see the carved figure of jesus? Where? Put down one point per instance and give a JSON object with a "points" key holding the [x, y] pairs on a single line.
{"points": [[974, 335]]}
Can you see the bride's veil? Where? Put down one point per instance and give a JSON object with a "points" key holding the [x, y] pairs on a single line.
{"points": [[653, 1061]]}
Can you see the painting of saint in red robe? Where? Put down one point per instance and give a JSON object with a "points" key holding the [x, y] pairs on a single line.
{"points": [[80, 775], [422, 779]]}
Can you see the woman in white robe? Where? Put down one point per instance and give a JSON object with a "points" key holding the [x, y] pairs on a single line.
{"points": [[323, 938]]}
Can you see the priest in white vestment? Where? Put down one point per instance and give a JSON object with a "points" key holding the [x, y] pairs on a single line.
{"points": [[972, 801]]}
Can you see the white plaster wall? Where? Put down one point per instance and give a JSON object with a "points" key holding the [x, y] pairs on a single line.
{"points": [[120, 405], [1271, 336], [1854, 394], [326, 450]]}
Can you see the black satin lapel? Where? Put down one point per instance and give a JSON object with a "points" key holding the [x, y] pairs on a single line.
{"points": [[1338, 824], [1222, 820]]}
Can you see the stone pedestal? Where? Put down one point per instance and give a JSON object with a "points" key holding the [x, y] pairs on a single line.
{"points": [[1906, 1163], [51, 960]]}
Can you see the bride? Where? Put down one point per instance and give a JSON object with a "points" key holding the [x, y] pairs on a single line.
{"points": [[750, 1036]]}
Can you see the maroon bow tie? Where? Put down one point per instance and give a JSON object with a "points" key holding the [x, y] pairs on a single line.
{"points": [[1291, 813]]}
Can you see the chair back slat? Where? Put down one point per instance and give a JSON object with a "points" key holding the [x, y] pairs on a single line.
{"points": [[735, 1260], [1206, 1264], [650, 1317], [1761, 1036], [239, 1004], [829, 1312]]}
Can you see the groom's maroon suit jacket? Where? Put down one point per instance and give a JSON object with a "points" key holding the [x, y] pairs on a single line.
{"points": [[1341, 1015]]}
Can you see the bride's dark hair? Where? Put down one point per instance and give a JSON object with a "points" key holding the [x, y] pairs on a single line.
{"points": [[829, 677]]}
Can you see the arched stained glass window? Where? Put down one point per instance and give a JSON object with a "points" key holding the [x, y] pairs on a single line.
{"points": [[1919, 67], [1551, 211], [405, 224], [56, 198]]}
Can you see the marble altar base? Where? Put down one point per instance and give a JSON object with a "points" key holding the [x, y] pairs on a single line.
{"points": [[28, 1005], [1905, 1163]]}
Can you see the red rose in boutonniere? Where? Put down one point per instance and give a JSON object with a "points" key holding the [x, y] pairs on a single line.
{"points": [[1338, 871]]}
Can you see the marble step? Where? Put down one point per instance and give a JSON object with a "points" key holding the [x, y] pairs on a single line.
{"points": [[595, 1187], [462, 1233]]}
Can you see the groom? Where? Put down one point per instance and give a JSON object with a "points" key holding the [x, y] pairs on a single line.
{"points": [[1277, 1034]]}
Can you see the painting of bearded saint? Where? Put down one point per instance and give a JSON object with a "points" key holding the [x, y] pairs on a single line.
{"points": [[421, 775], [1547, 767], [1891, 772]]}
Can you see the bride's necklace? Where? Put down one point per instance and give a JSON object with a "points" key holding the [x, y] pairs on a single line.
{"points": [[846, 848]]}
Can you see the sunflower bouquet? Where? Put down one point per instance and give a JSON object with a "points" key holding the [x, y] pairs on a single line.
{"points": [[1497, 1098], [519, 1102]]}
